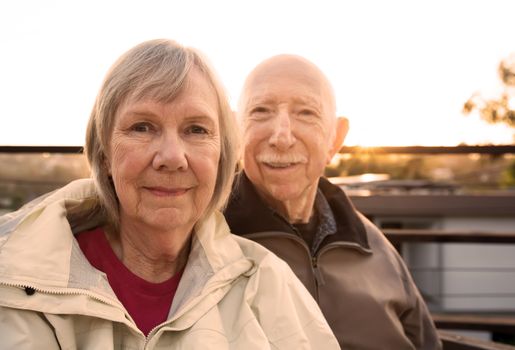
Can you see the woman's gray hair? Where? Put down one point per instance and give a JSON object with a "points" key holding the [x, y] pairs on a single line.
{"points": [[155, 69]]}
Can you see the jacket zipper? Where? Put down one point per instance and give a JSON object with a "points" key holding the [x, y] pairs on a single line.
{"points": [[72, 292], [33, 289], [317, 275], [69, 291], [319, 279]]}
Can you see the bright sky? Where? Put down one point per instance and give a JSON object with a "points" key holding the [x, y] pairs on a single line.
{"points": [[401, 69]]}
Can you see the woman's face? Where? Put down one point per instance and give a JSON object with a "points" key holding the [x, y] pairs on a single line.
{"points": [[164, 157]]}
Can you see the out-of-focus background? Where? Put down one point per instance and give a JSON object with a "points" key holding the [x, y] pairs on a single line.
{"points": [[428, 87]]}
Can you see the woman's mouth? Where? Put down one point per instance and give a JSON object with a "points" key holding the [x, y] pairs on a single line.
{"points": [[171, 192]]}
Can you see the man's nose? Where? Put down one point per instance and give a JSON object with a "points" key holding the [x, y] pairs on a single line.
{"points": [[282, 134], [170, 153]]}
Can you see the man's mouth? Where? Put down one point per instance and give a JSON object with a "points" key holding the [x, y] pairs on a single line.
{"points": [[279, 165], [281, 161]]}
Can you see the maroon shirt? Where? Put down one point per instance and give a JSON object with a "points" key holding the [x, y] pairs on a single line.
{"points": [[148, 303]]}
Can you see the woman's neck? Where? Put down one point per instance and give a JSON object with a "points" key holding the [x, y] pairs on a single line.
{"points": [[153, 256]]}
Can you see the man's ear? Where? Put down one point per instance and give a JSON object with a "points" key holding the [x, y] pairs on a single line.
{"points": [[342, 128]]}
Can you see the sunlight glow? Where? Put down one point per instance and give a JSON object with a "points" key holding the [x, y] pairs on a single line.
{"points": [[401, 69]]}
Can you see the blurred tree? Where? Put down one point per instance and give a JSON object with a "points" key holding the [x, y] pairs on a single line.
{"points": [[501, 109], [508, 177], [398, 167]]}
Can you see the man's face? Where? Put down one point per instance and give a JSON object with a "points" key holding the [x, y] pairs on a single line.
{"points": [[288, 120]]}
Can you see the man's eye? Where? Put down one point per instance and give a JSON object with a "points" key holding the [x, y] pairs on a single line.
{"points": [[306, 112], [259, 109], [261, 113], [141, 127]]}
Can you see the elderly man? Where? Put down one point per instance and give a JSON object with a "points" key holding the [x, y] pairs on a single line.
{"points": [[290, 133]]}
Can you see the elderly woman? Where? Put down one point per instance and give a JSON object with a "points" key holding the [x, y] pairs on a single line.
{"points": [[139, 257]]}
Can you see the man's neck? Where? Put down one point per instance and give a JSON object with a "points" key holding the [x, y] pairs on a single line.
{"points": [[297, 210]]}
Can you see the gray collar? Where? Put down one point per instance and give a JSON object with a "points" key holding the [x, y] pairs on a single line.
{"points": [[326, 221]]}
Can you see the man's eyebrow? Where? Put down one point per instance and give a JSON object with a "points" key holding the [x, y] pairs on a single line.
{"points": [[297, 99], [308, 100], [260, 100]]}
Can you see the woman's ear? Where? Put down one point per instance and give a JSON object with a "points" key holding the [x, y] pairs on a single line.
{"points": [[342, 128], [106, 164]]}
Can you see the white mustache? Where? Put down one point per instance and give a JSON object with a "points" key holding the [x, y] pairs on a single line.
{"points": [[287, 158]]}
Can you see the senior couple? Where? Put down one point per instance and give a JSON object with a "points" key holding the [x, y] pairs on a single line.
{"points": [[140, 256]]}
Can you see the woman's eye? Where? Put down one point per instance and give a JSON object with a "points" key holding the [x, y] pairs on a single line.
{"points": [[197, 129], [141, 127]]}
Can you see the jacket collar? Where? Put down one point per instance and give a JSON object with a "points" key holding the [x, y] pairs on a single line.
{"points": [[245, 203], [37, 250]]}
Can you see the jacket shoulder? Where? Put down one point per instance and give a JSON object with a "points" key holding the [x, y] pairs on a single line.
{"points": [[287, 312], [256, 252], [387, 255], [80, 192], [376, 237]]}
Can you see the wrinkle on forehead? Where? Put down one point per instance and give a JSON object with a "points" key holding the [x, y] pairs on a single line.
{"points": [[270, 99]]}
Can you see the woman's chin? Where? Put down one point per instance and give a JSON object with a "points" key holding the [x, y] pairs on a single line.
{"points": [[166, 219]]}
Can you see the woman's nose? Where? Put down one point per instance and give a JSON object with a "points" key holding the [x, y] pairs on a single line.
{"points": [[170, 154]]}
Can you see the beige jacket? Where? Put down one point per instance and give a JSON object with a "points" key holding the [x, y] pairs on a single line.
{"points": [[233, 294]]}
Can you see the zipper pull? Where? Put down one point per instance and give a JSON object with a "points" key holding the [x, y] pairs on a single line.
{"points": [[318, 275]]}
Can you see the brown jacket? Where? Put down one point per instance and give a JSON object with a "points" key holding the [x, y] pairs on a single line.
{"points": [[359, 280]]}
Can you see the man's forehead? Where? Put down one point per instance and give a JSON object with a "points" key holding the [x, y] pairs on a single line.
{"points": [[286, 69], [285, 87], [288, 76]]}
